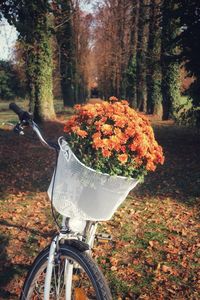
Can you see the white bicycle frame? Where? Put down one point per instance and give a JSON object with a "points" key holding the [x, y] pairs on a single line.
{"points": [[55, 244], [68, 265]]}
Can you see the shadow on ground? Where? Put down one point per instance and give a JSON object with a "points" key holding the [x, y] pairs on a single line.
{"points": [[179, 177], [7, 269], [25, 164]]}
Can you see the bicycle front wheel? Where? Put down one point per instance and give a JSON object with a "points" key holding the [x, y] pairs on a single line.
{"points": [[75, 276]]}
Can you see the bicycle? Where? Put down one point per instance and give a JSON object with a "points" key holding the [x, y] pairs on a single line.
{"points": [[65, 268]]}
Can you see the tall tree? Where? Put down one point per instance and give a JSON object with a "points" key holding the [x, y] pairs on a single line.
{"points": [[189, 13], [104, 49], [31, 19], [154, 97], [10, 84], [131, 88], [63, 12], [82, 23], [141, 55], [170, 66], [73, 36]]}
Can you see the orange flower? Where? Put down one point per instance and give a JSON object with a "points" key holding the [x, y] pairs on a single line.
{"points": [[119, 121], [123, 158], [82, 133], [133, 146], [119, 134], [123, 149], [106, 152], [96, 135], [75, 128], [115, 142], [150, 166], [138, 161], [113, 98], [100, 123], [107, 129], [97, 141], [70, 123], [77, 106], [124, 102], [105, 143], [130, 131]]}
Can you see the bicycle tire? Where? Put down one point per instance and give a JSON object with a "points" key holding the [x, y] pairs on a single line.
{"points": [[102, 291]]}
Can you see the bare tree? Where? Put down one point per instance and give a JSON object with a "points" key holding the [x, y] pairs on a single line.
{"points": [[112, 46]]}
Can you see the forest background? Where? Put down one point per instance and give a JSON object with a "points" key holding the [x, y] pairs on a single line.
{"points": [[143, 51]]}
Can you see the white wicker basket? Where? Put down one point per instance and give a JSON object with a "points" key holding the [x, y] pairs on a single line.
{"points": [[81, 192]]}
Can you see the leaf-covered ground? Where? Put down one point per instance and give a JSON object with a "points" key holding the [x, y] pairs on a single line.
{"points": [[155, 250]]}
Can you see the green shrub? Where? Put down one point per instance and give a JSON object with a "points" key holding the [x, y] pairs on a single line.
{"points": [[186, 114]]}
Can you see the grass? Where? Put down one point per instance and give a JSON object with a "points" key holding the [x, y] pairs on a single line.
{"points": [[154, 260], [7, 116]]}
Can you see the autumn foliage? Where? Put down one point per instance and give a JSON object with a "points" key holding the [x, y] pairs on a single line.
{"points": [[113, 138]]}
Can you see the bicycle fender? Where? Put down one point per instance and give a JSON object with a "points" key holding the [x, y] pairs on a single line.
{"points": [[81, 246]]}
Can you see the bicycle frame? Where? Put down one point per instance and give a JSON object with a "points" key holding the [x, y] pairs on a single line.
{"points": [[88, 234]]}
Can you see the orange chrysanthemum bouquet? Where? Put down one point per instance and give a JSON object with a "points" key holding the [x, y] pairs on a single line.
{"points": [[103, 139], [110, 137]]}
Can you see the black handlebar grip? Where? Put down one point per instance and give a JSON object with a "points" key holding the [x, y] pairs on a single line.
{"points": [[14, 107], [23, 115]]}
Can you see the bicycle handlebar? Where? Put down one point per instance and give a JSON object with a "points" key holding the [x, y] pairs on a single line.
{"points": [[27, 120], [24, 116]]}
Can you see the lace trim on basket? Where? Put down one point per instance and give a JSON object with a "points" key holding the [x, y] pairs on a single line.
{"points": [[69, 209]]}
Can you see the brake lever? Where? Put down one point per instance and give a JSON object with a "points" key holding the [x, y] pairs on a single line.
{"points": [[18, 129], [25, 122]]}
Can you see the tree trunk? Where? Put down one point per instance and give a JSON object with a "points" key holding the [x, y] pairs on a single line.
{"points": [[154, 99], [44, 109], [170, 68], [64, 35], [141, 56], [131, 90], [39, 73]]}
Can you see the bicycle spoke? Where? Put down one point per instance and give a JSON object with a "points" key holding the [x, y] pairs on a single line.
{"points": [[81, 287]]}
